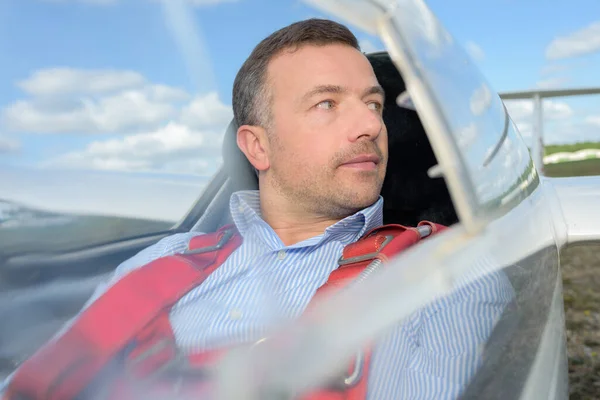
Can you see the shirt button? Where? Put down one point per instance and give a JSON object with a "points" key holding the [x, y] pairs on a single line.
{"points": [[235, 314], [281, 254]]}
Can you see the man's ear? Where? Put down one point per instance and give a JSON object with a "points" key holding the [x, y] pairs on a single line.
{"points": [[252, 141]]}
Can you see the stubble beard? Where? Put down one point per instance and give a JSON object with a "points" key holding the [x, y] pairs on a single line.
{"points": [[315, 193]]}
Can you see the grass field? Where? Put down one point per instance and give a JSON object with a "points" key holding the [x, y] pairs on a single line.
{"points": [[580, 266], [573, 168], [581, 279], [569, 148]]}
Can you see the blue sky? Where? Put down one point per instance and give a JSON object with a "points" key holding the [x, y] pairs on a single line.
{"points": [[108, 85]]}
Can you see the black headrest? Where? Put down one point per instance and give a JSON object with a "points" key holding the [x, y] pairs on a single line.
{"points": [[409, 194]]}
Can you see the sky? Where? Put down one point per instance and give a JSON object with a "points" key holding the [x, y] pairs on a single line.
{"points": [[140, 86]]}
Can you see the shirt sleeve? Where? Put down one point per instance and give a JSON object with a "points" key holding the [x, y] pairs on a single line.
{"points": [[170, 245], [436, 351]]}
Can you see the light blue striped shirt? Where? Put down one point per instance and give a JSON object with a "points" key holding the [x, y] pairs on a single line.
{"points": [[431, 355]]}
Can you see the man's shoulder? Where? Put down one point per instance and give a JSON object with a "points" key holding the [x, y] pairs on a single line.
{"points": [[173, 244], [169, 245]]}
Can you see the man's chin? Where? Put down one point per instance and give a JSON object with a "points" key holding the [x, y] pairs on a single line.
{"points": [[358, 200]]}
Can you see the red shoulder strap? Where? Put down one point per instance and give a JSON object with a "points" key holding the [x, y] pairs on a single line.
{"points": [[64, 367], [141, 300], [380, 243]]}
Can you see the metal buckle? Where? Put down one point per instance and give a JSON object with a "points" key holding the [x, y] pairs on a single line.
{"points": [[424, 230], [348, 380], [353, 378], [227, 234], [365, 257]]}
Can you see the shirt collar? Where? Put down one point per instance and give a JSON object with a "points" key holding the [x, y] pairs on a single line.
{"points": [[244, 206]]}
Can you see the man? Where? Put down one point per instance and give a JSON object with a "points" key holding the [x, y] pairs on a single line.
{"points": [[309, 111]]}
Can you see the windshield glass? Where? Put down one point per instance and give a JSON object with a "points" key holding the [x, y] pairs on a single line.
{"points": [[111, 126], [114, 125]]}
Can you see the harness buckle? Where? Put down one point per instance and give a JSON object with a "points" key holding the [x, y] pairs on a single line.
{"points": [[227, 234], [423, 231], [354, 377], [365, 257]]}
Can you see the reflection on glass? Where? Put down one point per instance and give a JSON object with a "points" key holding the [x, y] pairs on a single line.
{"points": [[428, 339], [495, 158], [431, 350]]}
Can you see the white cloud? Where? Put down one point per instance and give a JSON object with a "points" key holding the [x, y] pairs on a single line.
{"points": [[573, 130], [553, 68], [481, 99], [66, 81], [475, 51], [129, 110], [68, 100], [551, 83], [151, 127], [367, 46], [467, 135], [8, 145], [522, 110], [172, 148], [206, 111], [561, 123], [525, 128], [167, 93], [593, 120], [581, 42]]}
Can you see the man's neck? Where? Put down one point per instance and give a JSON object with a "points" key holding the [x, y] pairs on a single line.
{"points": [[292, 224]]}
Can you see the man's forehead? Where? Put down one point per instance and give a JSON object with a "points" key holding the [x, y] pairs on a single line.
{"points": [[322, 56], [312, 67]]}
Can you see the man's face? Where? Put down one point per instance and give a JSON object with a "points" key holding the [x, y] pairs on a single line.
{"points": [[327, 140]]}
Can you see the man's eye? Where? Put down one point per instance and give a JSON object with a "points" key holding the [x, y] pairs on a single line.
{"points": [[375, 106], [326, 105]]}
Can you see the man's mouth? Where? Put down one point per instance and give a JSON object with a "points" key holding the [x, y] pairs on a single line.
{"points": [[367, 162]]}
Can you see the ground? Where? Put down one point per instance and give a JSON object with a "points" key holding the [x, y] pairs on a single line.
{"points": [[574, 168], [581, 279], [580, 266]]}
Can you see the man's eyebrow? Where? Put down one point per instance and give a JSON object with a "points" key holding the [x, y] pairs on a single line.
{"points": [[377, 89], [335, 89], [320, 89]]}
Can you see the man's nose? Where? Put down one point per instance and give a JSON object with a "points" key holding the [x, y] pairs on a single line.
{"points": [[367, 123]]}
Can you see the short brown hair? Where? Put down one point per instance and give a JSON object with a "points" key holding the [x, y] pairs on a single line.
{"points": [[250, 96]]}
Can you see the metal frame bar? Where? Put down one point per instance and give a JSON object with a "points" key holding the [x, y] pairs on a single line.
{"points": [[537, 97]]}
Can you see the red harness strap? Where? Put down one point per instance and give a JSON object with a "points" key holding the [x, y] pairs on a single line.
{"points": [[134, 305], [134, 312], [378, 244]]}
